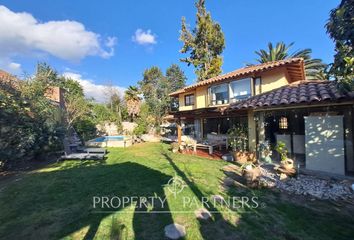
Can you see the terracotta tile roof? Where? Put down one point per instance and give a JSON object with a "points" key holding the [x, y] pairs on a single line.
{"points": [[9, 79], [295, 67], [5, 75], [301, 92]]}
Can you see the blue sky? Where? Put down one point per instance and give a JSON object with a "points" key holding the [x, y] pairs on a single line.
{"points": [[113, 49]]}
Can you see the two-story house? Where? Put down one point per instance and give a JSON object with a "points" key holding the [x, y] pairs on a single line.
{"points": [[275, 102]]}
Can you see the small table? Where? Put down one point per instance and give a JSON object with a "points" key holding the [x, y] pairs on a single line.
{"points": [[209, 146]]}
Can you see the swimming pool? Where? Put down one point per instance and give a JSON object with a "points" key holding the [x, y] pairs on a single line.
{"points": [[108, 138], [110, 141]]}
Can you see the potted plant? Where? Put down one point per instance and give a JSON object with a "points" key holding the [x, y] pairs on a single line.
{"points": [[250, 172], [265, 152], [238, 141], [174, 147], [285, 162], [248, 166]]}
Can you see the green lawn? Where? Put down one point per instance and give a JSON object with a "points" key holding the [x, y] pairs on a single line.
{"points": [[57, 202]]}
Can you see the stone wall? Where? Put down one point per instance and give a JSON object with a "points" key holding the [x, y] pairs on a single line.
{"points": [[110, 128]]}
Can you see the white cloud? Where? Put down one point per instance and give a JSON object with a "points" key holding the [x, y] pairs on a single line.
{"points": [[144, 37], [22, 34], [14, 66], [9, 66], [96, 91], [111, 42]]}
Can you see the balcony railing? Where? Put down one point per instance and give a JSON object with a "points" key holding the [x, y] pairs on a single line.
{"points": [[231, 100]]}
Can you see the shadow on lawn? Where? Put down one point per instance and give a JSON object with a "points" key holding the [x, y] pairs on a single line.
{"points": [[213, 228], [56, 204], [279, 216]]}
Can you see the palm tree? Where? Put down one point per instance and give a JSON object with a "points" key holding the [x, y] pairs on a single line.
{"points": [[133, 101], [314, 67]]}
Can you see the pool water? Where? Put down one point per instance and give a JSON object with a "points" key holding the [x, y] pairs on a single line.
{"points": [[108, 138]]}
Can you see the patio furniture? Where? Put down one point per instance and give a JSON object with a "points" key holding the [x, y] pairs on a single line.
{"points": [[188, 142], [213, 140], [208, 146], [169, 139], [83, 156], [95, 156], [74, 156], [86, 154], [96, 150]]}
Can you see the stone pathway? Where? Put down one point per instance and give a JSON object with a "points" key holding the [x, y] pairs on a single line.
{"points": [[175, 231], [202, 214]]}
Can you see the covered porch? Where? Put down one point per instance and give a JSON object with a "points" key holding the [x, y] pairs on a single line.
{"points": [[208, 127], [317, 138], [314, 120]]}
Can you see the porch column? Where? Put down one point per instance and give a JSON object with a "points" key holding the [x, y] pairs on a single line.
{"points": [[202, 128], [179, 131], [251, 131], [261, 130]]}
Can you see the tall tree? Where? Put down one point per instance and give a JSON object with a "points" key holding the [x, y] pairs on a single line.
{"points": [[152, 79], [71, 87], [177, 80], [76, 107], [27, 121], [176, 77], [133, 101], [205, 44], [314, 67], [110, 90], [340, 28], [47, 75], [148, 85], [117, 104], [156, 87]]}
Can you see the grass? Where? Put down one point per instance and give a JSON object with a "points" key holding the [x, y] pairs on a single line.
{"points": [[56, 202]]}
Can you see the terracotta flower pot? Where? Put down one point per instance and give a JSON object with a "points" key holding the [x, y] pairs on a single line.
{"points": [[287, 164], [252, 157], [251, 175], [240, 157]]}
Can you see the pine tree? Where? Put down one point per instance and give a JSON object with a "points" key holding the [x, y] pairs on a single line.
{"points": [[175, 77], [204, 43]]}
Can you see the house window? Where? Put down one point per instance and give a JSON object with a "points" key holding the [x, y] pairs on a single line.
{"points": [[219, 94], [257, 86], [188, 127], [240, 89], [283, 123], [189, 100]]}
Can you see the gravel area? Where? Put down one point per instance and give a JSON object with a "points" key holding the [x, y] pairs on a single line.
{"points": [[308, 185]]}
